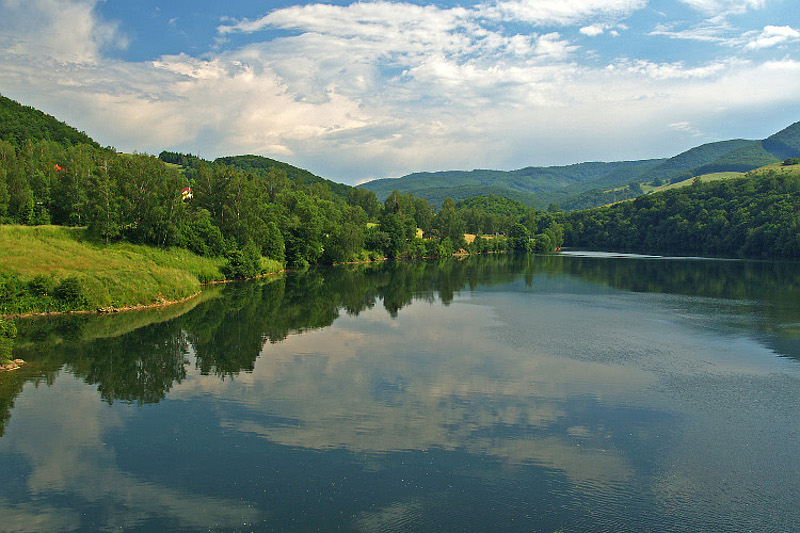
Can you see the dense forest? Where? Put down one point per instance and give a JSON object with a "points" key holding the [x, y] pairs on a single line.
{"points": [[756, 217]]}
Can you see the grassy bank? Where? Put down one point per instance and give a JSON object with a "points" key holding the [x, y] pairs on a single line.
{"points": [[36, 261]]}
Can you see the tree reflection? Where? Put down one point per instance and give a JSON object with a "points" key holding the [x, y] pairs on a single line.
{"points": [[138, 357]]}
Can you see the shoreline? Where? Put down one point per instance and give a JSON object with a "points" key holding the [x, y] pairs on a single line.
{"points": [[139, 307], [11, 365]]}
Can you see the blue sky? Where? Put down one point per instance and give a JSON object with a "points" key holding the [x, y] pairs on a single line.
{"points": [[361, 90]]}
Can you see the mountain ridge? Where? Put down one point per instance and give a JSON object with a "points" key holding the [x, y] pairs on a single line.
{"points": [[589, 184]]}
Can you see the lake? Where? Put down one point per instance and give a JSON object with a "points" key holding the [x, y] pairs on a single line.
{"points": [[572, 392]]}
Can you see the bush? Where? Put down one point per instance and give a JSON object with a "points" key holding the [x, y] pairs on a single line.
{"points": [[70, 291], [41, 285], [11, 287], [205, 277], [243, 264]]}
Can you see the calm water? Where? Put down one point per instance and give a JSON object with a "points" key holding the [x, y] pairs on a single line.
{"points": [[546, 393]]}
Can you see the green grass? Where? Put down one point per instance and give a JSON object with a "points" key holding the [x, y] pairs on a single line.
{"points": [[115, 275], [778, 168], [647, 188]]}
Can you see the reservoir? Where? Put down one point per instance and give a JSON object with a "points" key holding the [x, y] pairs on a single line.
{"points": [[571, 392]]}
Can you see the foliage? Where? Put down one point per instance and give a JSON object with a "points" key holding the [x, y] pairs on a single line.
{"points": [[242, 264], [20, 124], [8, 332], [747, 217], [72, 292], [519, 238], [263, 166]]}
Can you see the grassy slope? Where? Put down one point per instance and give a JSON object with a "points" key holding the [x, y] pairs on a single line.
{"points": [[778, 168], [116, 275]]}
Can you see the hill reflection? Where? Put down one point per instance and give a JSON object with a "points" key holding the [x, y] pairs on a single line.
{"points": [[139, 357]]}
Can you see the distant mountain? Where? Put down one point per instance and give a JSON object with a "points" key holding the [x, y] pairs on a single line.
{"points": [[532, 185], [591, 184], [19, 123], [261, 165], [785, 144], [684, 164]]}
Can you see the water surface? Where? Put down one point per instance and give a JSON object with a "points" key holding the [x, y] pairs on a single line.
{"points": [[539, 393]]}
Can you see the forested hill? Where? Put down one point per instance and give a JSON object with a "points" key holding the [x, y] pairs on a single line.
{"points": [[535, 186], [592, 184], [754, 216], [785, 144], [263, 165], [19, 123], [260, 166]]}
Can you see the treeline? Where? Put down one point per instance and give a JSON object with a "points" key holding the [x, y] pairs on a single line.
{"points": [[754, 217], [217, 209]]}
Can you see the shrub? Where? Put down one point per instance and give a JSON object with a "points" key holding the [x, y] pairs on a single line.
{"points": [[242, 264], [70, 291], [205, 277], [41, 285], [11, 287]]}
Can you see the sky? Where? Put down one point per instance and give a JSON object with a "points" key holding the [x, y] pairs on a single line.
{"points": [[354, 91]]}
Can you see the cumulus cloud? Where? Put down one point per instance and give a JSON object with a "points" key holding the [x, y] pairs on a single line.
{"points": [[773, 36], [65, 30]]}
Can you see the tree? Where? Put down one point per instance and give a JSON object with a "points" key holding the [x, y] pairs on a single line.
{"points": [[519, 238], [103, 205], [392, 226]]}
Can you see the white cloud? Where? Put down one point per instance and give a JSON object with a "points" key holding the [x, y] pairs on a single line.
{"points": [[560, 12], [667, 71], [376, 89], [773, 36], [686, 127], [594, 30], [705, 32], [724, 7], [64, 30]]}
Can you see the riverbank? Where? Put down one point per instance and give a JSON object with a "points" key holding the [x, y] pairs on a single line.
{"points": [[36, 261]]}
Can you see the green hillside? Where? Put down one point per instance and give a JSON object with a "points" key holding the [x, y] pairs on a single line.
{"points": [[751, 216], [532, 185], [262, 165], [746, 158], [684, 164], [587, 185], [19, 123], [785, 144], [437, 195]]}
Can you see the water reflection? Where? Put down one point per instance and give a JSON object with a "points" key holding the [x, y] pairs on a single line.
{"points": [[227, 328], [608, 389]]}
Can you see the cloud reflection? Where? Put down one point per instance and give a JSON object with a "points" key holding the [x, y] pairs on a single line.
{"points": [[374, 385], [69, 412]]}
